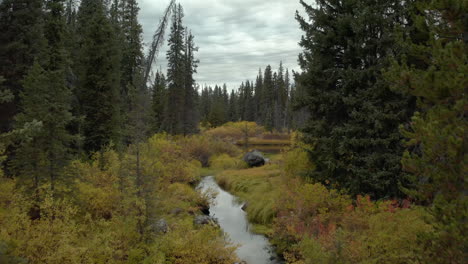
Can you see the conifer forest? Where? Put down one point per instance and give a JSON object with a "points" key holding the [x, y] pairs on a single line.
{"points": [[113, 151]]}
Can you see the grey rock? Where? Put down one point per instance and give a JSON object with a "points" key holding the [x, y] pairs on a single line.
{"points": [[244, 206], [176, 211], [254, 158], [160, 226], [205, 220]]}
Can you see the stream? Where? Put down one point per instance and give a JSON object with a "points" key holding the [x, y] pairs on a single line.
{"points": [[253, 248]]}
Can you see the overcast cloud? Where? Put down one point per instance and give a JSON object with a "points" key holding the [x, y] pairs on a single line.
{"points": [[235, 37]]}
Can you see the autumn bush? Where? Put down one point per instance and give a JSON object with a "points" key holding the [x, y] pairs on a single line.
{"points": [[234, 131], [107, 213], [310, 223], [203, 147], [225, 162]]}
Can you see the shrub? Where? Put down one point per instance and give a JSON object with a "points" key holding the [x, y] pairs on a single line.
{"points": [[234, 131], [202, 148], [297, 162], [225, 162]]}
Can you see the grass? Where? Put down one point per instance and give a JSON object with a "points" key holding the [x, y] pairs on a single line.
{"points": [[208, 171], [265, 142]]}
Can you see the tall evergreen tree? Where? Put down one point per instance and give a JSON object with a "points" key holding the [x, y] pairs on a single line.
{"points": [[159, 101], [355, 116], [132, 49], [99, 73], [434, 69], [267, 99], [46, 99], [191, 116], [233, 107], [174, 110], [258, 92], [21, 24]]}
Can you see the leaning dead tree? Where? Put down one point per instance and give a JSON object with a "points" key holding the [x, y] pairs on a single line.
{"points": [[158, 40]]}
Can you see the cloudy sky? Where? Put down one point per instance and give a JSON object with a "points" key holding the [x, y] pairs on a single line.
{"points": [[235, 37]]}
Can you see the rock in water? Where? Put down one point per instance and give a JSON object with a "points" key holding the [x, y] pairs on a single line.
{"points": [[254, 158], [205, 220]]}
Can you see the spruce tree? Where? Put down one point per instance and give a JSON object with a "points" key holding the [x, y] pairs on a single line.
{"points": [[433, 69], [258, 91], [249, 102], [191, 116], [159, 101], [99, 73], [21, 24], [174, 110], [232, 112], [46, 99], [267, 99], [205, 105], [355, 116]]}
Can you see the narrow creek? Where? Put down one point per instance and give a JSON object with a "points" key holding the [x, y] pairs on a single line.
{"points": [[253, 248]]}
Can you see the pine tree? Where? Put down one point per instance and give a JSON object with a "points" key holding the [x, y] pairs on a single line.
{"points": [[21, 23], [205, 105], [159, 98], [46, 99], [355, 116], [258, 92], [288, 113], [233, 109], [249, 103], [267, 99], [130, 32], [174, 110], [191, 116], [99, 73], [434, 68]]}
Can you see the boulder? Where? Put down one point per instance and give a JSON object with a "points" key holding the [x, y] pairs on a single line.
{"points": [[254, 159], [160, 226], [205, 220]]}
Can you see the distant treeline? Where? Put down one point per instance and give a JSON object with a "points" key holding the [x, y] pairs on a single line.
{"points": [[272, 101]]}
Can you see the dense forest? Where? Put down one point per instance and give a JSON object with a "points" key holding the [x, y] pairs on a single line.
{"points": [[100, 158]]}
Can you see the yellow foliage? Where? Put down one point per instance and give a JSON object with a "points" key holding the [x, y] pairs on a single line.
{"points": [[106, 215], [297, 162], [234, 131], [313, 224], [224, 162], [186, 245], [202, 148]]}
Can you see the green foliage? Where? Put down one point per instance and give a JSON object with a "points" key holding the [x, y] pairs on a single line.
{"points": [[5, 94], [225, 162], [202, 148], [308, 223], [21, 41], [258, 187], [98, 69], [296, 159], [354, 115], [234, 131], [434, 70], [41, 156], [108, 215], [159, 101], [180, 111], [204, 246]]}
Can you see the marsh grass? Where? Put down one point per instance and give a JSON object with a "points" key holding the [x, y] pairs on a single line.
{"points": [[259, 188]]}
